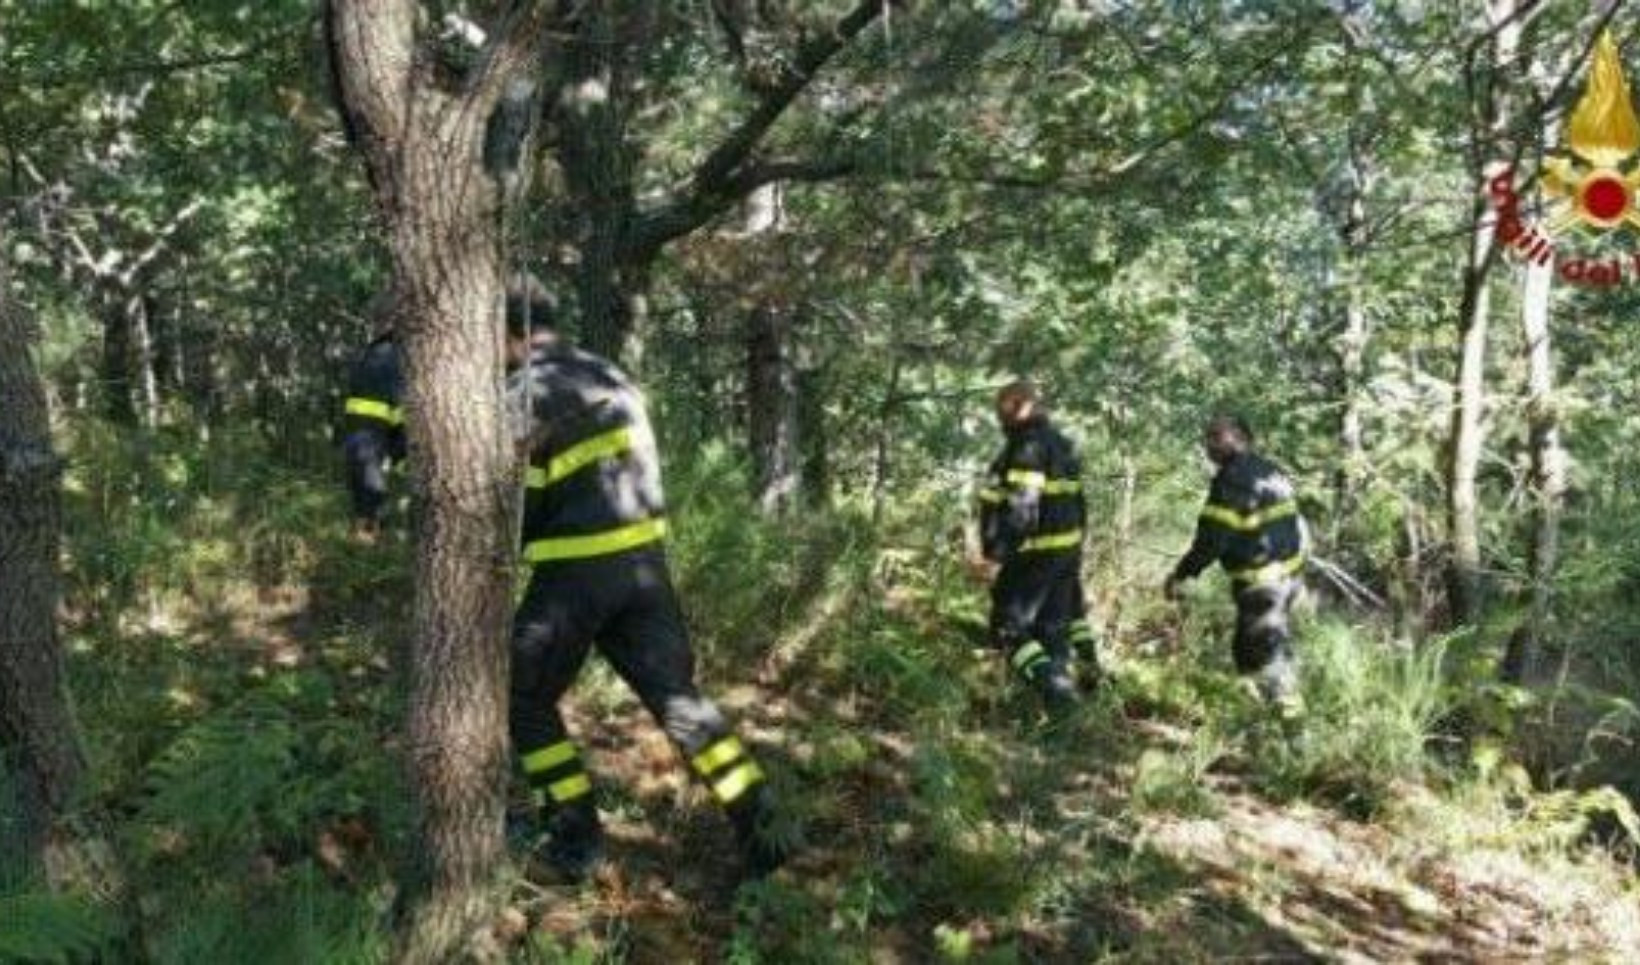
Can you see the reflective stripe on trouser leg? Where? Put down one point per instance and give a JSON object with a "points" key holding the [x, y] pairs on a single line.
{"points": [[555, 773], [1030, 659], [726, 769]]}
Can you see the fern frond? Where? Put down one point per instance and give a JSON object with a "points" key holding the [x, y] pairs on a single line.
{"points": [[37, 927]]}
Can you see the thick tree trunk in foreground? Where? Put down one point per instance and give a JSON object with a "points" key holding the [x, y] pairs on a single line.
{"points": [[38, 738], [1548, 474], [422, 135]]}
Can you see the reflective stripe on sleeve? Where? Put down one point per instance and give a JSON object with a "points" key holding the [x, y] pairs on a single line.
{"points": [[547, 758], [1249, 522], [570, 788], [579, 456], [1052, 541], [375, 409]]}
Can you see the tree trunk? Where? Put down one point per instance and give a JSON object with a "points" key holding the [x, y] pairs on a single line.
{"points": [[772, 409], [140, 309], [1352, 342], [38, 737], [1466, 442], [885, 437], [118, 350], [771, 369], [598, 163], [424, 146], [1467, 439], [812, 433], [1548, 473]]}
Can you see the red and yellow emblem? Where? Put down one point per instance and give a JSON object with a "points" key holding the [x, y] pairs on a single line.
{"points": [[1591, 187]]}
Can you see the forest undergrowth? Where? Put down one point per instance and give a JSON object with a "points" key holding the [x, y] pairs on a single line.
{"points": [[232, 656]]}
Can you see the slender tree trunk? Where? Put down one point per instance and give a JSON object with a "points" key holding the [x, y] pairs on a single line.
{"points": [[118, 350], [1464, 451], [771, 371], [812, 433], [39, 746], [424, 144], [1548, 473], [1466, 440], [772, 408], [598, 163], [140, 309], [1352, 342], [885, 436]]}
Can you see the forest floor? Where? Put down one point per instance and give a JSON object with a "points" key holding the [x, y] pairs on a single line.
{"points": [[940, 816]]}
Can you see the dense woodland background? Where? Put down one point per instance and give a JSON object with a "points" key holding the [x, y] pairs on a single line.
{"points": [[821, 233]]}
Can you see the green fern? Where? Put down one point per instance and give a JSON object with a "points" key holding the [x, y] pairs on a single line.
{"points": [[36, 927], [217, 778]]}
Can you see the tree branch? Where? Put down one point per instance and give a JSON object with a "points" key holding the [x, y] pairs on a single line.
{"points": [[793, 80], [719, 181], [514, 47], [372, 50], [161, 243]]}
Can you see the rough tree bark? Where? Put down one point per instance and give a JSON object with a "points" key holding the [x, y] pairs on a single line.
{"points": [[421, 129], [39, 747]]}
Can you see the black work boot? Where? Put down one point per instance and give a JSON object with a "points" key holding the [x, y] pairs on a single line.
{"points": [[574, 847], [761, 852]]}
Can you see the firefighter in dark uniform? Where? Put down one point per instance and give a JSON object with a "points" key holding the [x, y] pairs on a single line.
{"points": [[594, 537], [373, 429], [1251, 525], [1032, 517]]}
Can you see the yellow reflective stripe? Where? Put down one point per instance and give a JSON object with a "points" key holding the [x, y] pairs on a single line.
{"points": [[595, 544], [375, 409], [1249, 522], [548, 758], [719, 754], [737, 783], [1269, 572], [1062, 487], [1027, 655], [581, 455], [569, 788], [1053, 541], [1281, 510], [1028, 478], [992, 496]]}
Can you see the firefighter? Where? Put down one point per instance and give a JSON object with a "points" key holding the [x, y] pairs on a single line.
{"points": [[1032, 515], [373, 429], [1251, 525], [594, 537]]}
